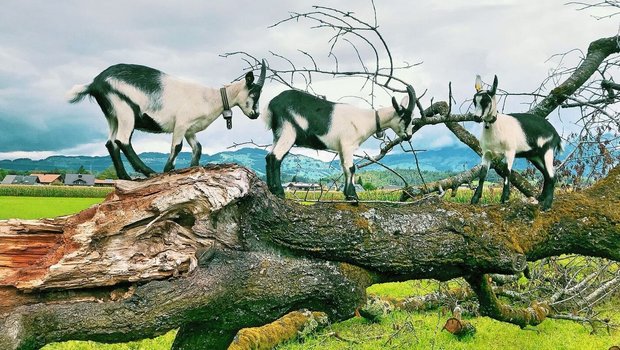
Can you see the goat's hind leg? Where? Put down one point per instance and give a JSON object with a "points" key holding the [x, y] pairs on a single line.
{"points": [[114, 150], [538, 164], [126, 121], [546, 197], [274, 183], [281, 145], [348, 169], [115, 154]]}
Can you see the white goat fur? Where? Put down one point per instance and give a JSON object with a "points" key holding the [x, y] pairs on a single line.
{"points": [[326, 125], [138, 97]]}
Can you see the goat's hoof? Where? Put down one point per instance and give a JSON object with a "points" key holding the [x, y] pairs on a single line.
{"points": [[353, 199], [545, 206]]}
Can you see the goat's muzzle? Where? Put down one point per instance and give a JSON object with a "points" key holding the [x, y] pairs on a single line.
{"points": [[254, 115]]}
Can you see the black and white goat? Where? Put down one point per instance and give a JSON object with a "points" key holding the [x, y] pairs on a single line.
{"points": [[519, 135], [138, 97], [298, 118]]}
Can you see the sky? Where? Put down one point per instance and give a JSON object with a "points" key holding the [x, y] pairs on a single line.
{"points": [[46, 47]]}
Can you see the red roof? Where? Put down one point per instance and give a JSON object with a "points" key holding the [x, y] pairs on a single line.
{"points": [[47, 178]]}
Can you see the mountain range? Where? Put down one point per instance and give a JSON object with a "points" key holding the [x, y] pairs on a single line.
{"points": [[451, 159]]}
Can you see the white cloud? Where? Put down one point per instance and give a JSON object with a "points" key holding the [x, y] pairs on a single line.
{"points": [[46, 47]]}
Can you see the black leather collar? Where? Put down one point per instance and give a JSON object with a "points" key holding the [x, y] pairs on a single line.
{"points": [[487, 124], [227, 113]]}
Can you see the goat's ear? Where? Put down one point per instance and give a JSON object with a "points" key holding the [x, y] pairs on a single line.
{"points": [[249, 79], [494, 87], [397, 107]]}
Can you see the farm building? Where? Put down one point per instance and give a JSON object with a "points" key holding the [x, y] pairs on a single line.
{"points": [[49, 179], [106, 182], [79, 180], [20, 180]]}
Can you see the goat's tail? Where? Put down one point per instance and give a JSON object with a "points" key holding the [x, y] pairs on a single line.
{"points": [[77, 93]]}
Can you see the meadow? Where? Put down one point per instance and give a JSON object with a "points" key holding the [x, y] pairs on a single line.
{"points": [[55, 191], [398, 330], [42, 207]]}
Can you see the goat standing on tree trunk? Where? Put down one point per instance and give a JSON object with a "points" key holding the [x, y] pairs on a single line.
{"points": [[519, 135], [138, 97], [298, 118]]}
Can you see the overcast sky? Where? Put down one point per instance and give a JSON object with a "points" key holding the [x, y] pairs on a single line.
{"points": [[46, 47]]}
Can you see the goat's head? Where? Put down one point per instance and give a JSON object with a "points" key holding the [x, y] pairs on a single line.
{"points": [[250, 94], [404, 127], [484, 101]]}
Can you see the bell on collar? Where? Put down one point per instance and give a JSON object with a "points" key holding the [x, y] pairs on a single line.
{"points": [[228, 117]]}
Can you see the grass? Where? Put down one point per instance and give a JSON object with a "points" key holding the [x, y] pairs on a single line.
{"points": [[163, 342], [402, 330], [42, 207], [399, 330]]}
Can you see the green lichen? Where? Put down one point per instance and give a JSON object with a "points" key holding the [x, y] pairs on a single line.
{"points": [[286, 328], [360, 276]]}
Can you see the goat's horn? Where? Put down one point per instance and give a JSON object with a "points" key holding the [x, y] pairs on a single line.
{"points": [[478, 85], [263, 72], [411, 94]]}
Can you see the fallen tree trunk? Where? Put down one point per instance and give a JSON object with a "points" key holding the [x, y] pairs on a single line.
{"points": [[210, 251]]}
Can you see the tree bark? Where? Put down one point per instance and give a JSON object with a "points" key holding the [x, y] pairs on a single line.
{"points": [[211, 251]]}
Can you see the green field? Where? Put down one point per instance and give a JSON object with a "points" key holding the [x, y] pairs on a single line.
{"points": [[55, 191], [399, 330], [42, 207]]}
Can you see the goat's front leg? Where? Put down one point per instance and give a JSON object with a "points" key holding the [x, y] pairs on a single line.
{"points": [[510, 158], [196, 148], [346, 160], [486, 161], [177, 145]]}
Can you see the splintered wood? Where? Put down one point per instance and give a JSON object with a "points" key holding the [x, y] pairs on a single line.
{"points": [[145, 230]]}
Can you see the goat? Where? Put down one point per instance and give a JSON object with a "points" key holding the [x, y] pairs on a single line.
{"points": [[138, 97], [298, 118], [519, 135]]}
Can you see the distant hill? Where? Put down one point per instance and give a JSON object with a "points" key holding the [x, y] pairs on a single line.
{"points": [[447, 159]]}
